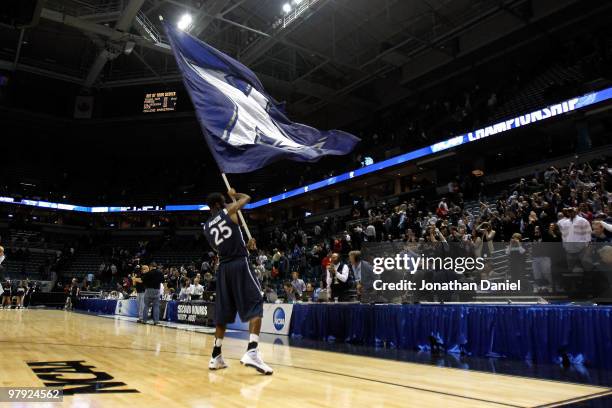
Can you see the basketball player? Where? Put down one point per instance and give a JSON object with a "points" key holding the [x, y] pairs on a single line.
{"points": [[237, 287]]}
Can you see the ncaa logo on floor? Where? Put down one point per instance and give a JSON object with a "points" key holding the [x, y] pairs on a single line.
{"points": [[278, 318]]}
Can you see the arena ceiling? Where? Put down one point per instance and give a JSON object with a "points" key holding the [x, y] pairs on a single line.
{"points": [[340, 57]]}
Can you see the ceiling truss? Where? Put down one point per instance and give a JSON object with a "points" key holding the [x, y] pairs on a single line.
{"points": [[324, 58]]}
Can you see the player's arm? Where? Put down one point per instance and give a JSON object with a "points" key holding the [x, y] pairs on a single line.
{"points": [[239, 201]]}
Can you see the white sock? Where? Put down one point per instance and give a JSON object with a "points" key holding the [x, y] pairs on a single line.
{"points": [[218, 342], [253, 338]]}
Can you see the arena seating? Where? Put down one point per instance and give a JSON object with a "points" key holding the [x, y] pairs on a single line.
{"points": [[181, 247], [29, 267], [86, 261], [534, 94]]}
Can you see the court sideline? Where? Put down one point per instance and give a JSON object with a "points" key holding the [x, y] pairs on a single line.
{"points": [[167, 367]]}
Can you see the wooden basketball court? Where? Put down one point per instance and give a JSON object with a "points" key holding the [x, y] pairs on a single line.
{"points": [[150, 366]]}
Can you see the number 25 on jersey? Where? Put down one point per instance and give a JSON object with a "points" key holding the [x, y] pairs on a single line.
{"points": [[221, 232]]}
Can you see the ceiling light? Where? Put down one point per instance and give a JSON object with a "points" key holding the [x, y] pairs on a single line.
{"points": [[185, 21], [286, 7]]}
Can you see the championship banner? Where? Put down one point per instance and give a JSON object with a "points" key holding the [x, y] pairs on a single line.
{"points": [[200, 313]]}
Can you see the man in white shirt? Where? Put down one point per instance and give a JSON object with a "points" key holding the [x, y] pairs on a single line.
{"points": [[574, 229], [576, 235], [196, 289], [338, 278]]}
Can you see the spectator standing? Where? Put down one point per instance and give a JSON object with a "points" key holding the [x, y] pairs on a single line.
{"points": [[362, 271], [540, 254], [338, 278], [152, 281], [516, 254], [283, 265], [576, 234], [140, 289], [359, 267]]}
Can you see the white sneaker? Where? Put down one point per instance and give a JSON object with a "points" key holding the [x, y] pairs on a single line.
{"points": [[252, 358], [217, 363]]}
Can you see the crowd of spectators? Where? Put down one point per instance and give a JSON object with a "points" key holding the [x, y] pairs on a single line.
{"points": [[120, 265], [524, 222], [542, 227], [552, 230]]}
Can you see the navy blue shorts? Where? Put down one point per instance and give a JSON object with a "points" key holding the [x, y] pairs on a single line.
{"points": [[237, 291]]}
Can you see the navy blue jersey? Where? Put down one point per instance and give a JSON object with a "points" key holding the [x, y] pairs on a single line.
{"points": [[225, 236]]}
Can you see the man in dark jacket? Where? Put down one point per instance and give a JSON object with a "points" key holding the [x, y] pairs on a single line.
{"points": [[362, 273], [140, 289], [152, 281]]}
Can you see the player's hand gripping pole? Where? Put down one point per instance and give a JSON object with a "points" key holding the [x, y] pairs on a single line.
{"points": [[242, 220]]}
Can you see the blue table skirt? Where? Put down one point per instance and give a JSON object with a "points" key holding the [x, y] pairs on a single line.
{"points": [[101, 306], [108, 306], [533, 333]]}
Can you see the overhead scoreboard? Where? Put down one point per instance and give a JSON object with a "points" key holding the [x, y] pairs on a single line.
{"points": [[159, 102]]}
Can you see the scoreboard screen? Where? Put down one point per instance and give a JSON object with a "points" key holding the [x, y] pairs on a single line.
{"points": [[159, 102]]}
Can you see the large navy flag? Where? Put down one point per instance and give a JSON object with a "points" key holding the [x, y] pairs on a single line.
{"points": [[243, 126]]}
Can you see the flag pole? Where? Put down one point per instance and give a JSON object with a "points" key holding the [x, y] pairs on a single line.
{"points": [[242, 220], [227, 184]]}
